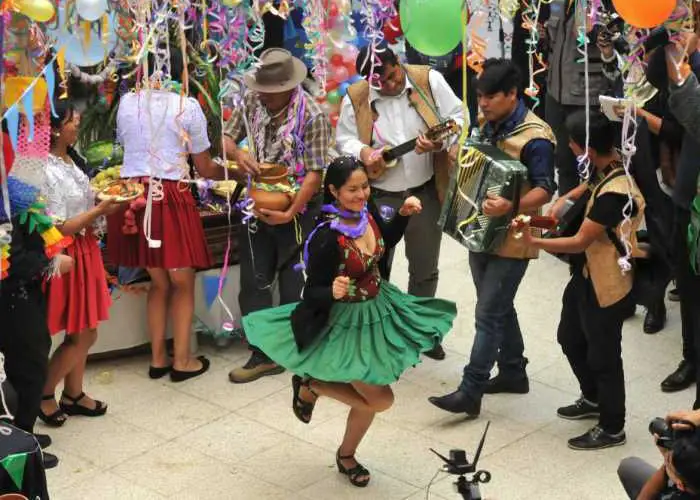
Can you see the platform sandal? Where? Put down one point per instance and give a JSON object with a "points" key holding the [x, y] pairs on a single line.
{"points": [[57, 418], [76, 409], [303, 410], [355, 473]]}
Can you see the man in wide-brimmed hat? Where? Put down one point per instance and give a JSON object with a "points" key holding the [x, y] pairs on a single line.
{"points": [[285, 127]]}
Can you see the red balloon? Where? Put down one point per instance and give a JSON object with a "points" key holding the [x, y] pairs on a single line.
{"points": [[336, 59], [334, 119], [333, 10]]}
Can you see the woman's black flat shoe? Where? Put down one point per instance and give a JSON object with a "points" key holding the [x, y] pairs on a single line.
{"points": [[180, 376], [76, 409], [57, 418], [156, 373], [303, 410], [359, 471]]}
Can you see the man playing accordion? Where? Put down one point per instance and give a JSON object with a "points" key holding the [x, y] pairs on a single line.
{"points": [[507, 124]]}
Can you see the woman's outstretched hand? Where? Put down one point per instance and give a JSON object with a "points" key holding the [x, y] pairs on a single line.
{"points": [[411, 206]]}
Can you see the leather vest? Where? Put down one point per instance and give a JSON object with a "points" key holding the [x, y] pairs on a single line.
{"points": [[365, 117]]}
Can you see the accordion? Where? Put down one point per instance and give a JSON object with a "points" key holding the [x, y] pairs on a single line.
{"points": [[485, 170]]}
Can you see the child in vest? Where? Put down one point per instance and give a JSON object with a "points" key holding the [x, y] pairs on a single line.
{"points": [[596, 300]]}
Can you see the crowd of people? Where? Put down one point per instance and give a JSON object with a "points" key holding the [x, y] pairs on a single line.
{"points": [[342, 329]]}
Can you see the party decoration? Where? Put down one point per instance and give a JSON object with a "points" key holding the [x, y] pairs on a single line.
{"points": [[646, 14], [88, 45], [17, 87], [14, 466], [432, 27], [36, 10], [91, 10]]}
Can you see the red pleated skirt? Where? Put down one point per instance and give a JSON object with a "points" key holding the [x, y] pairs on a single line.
{"points": [[175, 222], [79, 299]]}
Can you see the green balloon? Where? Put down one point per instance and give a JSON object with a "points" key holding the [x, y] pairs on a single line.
{"points": [[333, 97], [432, 27]]}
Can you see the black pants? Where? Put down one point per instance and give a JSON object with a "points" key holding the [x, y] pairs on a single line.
{"points": [[25, 341], [688, 284], [271, 253], [567, 166], [591, 338]]}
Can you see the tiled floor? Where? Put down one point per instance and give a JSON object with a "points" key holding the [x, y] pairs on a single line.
{"points": [[209, 439]]}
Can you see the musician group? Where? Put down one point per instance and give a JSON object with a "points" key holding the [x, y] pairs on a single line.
{"points": [[343, 330]]}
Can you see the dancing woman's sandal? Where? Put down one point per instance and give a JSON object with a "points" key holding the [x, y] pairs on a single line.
{"points": [[354, 474], [303, 410]]}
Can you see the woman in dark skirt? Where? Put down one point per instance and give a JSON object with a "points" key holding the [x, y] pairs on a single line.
{"points": [[353, 334]]}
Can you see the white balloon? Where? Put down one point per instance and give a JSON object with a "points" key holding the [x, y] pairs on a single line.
{"points": [[91, 10]]}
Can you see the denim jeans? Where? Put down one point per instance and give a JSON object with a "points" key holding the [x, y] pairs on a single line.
{"points": [[498, 336]]}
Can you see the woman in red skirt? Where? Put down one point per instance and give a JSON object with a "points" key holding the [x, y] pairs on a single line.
{"points": [[80, 299], [159, 129]]}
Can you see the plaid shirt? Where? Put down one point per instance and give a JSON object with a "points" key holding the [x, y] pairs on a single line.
{"points": [[317, 134]]}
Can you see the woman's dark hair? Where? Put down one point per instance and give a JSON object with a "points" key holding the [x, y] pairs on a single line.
{"points": [[602, 133], [177, 65], [656, 72], [64, 112], [337, 174], [686, 459], [363, 63], [499, 75]]}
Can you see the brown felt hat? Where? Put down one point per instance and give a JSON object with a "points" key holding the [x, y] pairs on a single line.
{"points": [[277, 71]]}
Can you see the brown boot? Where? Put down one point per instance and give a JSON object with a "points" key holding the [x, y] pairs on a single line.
{"points": [[257, 366]]}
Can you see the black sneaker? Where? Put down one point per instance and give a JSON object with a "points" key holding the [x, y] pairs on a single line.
{"points": [[597, 439], [579, 410], [673, 295]]}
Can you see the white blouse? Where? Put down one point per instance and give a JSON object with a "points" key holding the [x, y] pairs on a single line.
{"points": [[157, 135], [67, 189]]}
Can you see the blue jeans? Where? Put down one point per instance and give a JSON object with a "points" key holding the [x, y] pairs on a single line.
{"points": [[498, 336]]}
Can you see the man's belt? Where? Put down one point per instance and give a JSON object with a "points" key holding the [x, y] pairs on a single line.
{"points": [[406, 193]]}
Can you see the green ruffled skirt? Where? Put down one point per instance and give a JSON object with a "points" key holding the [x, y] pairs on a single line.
{"points": [[373, 341]]}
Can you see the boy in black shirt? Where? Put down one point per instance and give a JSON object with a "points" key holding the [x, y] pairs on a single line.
{"points": [[597, 299]]}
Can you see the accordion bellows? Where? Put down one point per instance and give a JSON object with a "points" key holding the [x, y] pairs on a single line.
{"points": [[485, 170]]}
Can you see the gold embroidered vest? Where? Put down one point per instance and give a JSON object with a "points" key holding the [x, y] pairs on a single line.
{"points": [[530, 129], [609, 282]]}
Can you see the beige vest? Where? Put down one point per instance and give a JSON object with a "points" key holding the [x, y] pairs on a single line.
{"points": [[609, 282], [365, 117], [530, 129]]}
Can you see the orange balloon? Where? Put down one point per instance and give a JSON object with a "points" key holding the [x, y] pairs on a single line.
{"points": [[646, 13]]}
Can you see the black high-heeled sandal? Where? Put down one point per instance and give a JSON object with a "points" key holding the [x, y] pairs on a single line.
{"points": [[303, 410], [74, 408], [353, 474], [57, 418]]}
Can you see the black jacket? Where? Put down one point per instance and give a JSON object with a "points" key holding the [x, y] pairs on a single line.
{"points": [[310, 316]]}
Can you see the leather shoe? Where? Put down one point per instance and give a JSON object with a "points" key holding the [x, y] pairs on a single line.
{"points": [[681, 379], [50, 460], [437, 353], [655, 320], [503, 385], [458, 402]]}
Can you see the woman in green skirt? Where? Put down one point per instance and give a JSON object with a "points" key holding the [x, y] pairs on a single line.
{"points": [[353, 334]]}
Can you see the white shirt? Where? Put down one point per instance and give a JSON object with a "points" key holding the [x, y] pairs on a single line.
{"points": [[154, 132], [399, 122], [66, 189]]}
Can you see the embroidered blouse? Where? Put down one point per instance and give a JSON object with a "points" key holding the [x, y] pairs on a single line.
{"points": [[67, 190]]}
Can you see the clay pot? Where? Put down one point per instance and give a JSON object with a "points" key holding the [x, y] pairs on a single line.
{"points": [[270, 200]]}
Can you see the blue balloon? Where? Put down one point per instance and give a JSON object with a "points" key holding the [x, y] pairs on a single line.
{"points": [[355, 78], [343, 89]]}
